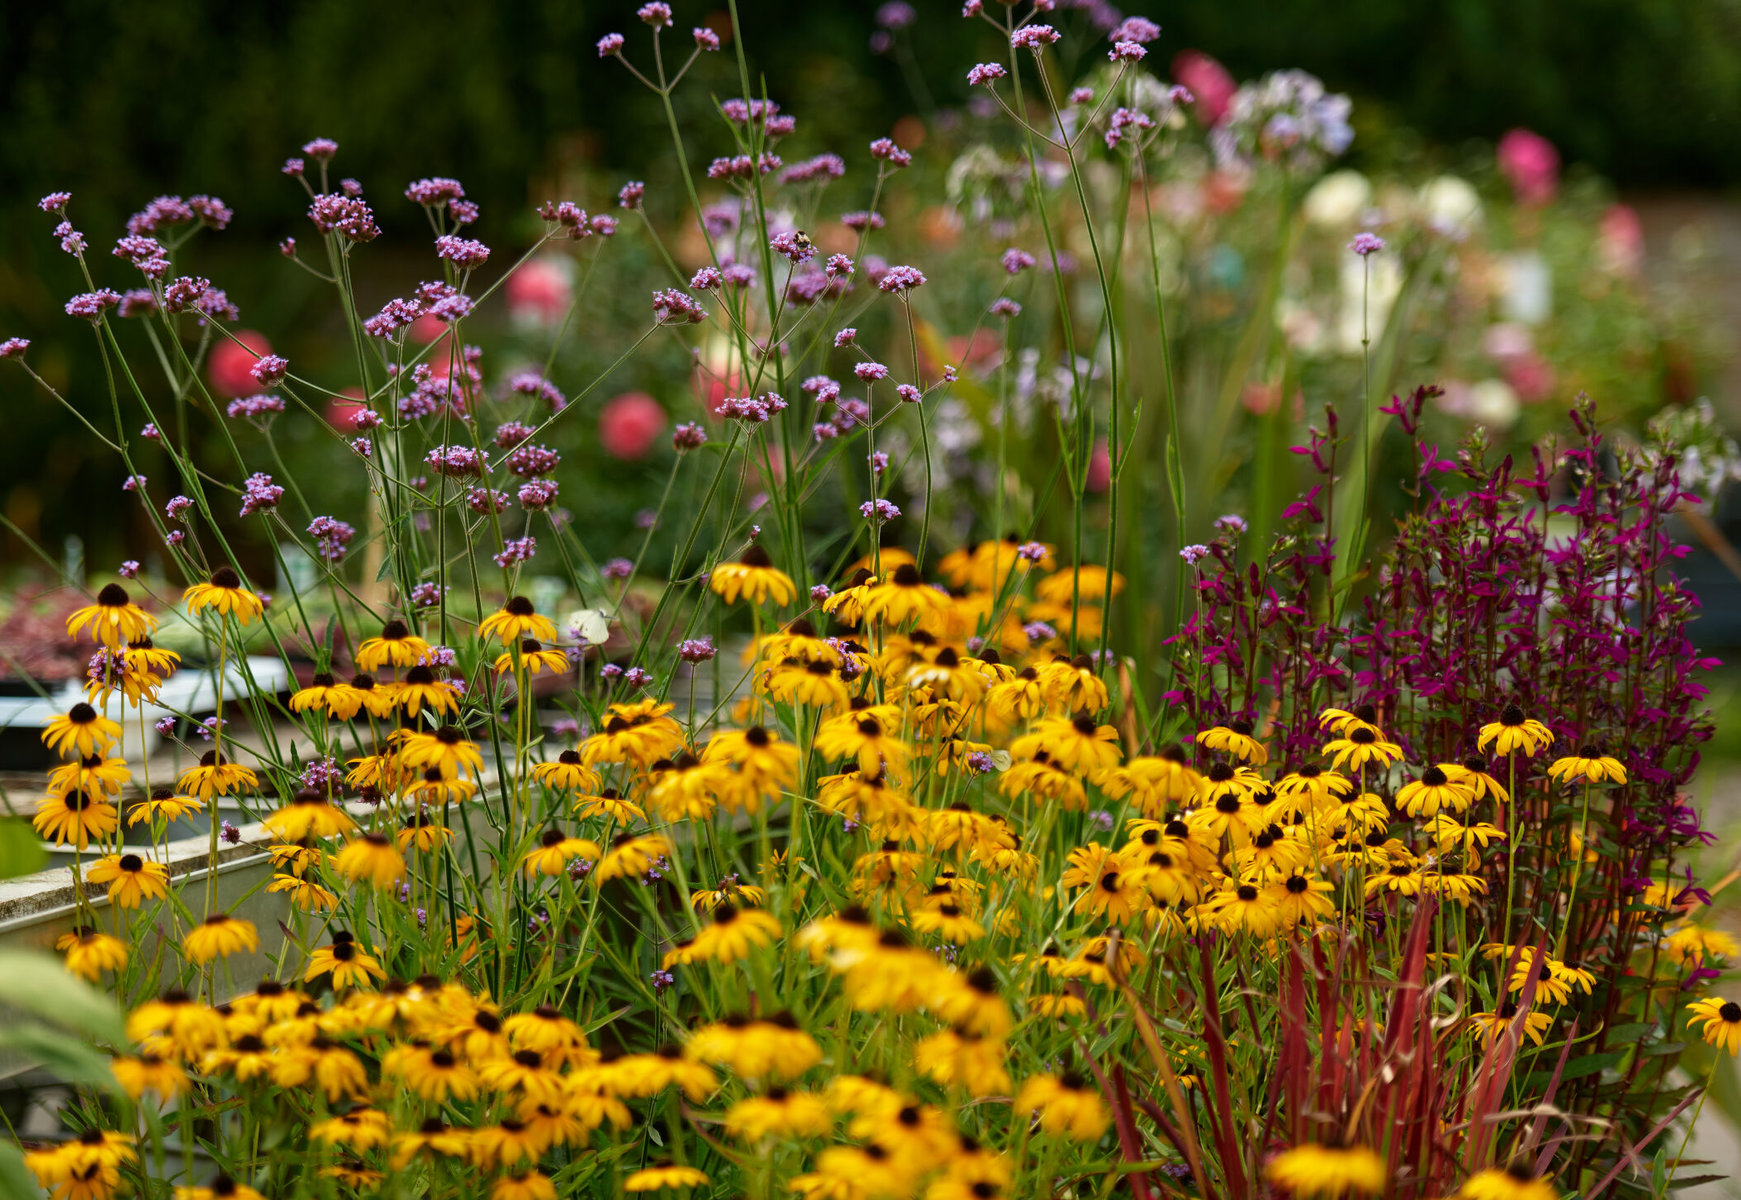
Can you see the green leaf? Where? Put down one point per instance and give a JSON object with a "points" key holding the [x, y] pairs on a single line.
{"points": [[64, 1054], [15, 1177], [21, 851], [39, 984]]}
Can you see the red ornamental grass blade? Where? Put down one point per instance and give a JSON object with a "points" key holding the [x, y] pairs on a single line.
{"points": [[1226, 1144]]}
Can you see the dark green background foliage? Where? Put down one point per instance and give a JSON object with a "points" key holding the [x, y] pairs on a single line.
{"points": [[118, 102]]}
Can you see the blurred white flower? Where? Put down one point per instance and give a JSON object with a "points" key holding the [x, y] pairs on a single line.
{"points": [[1338, 199], [1451, 207]]}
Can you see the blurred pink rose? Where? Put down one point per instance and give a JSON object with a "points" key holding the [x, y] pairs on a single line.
{"points": [[427, 329], [1530, 377], [630, 424], [229, 363], [1208, 81], [341, 411], [539, 291], [1531, 164], [1100, 467], [1620, 243]]}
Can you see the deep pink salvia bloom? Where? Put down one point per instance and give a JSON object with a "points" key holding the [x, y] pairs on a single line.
{"points": [[463, 253], [900, 280], [1032, 37], [985, 74], [609, 44], [269, 370]]}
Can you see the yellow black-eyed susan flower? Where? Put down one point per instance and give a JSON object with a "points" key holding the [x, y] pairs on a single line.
{"points": [[1234, 738], [1591, 764], [422, 832], [1312, 1170], [534, 657], [1490, 1025], [326, 694], [1362, 747], [778, 1113], [523, 1185], [114, 620], [372, 859], [732, 935], [75, 819], [224, 595], [753, 577], [420, 689], [446, 750], [515, 620], [1435, 791], [95, 773], [555, 851], [396, 647], [221, 1188], [434, 1138], [902, 596], [567, 772], [359, 1130], [81, 732], [163, 1077], [1077, 744], [90, 952], [348, 963], [434, 1074], [630, 855], [309, 814], [1721, 1020], [814, 684], [305, 894], [132, 879], [1515, 1182], [220, 936], [1513, 731], [665, 1177], [1066, 1106], [216, 776]]}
